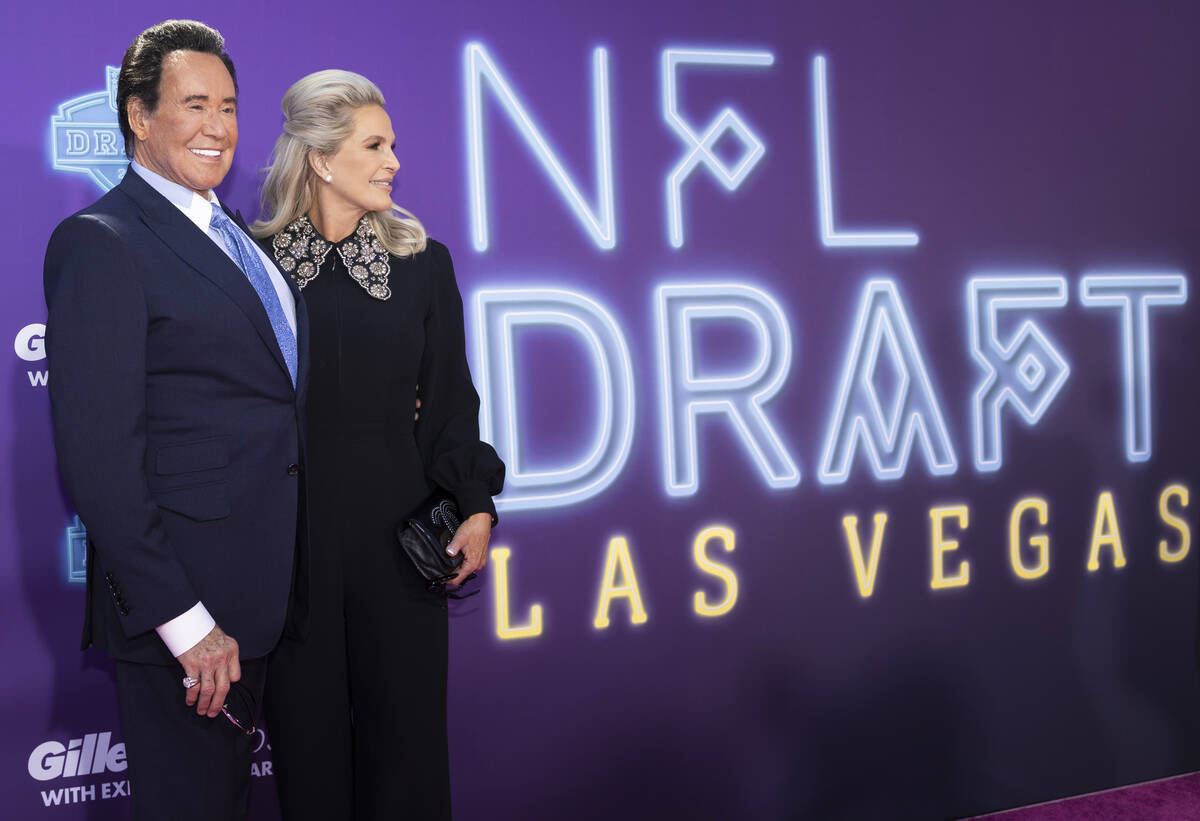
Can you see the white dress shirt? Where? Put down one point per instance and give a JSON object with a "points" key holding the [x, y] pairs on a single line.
{"points": [[185, 631]]}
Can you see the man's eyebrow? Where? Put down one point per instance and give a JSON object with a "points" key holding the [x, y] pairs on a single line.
{"points": [[204, 98]]}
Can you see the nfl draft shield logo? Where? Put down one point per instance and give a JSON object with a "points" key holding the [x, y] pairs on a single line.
{"points": [[76, 552], [85, 138]]}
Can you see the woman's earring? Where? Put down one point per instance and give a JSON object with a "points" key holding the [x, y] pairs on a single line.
{"points": [[328, 178]]}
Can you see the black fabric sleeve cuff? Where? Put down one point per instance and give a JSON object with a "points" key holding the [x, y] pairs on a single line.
{"points": [[474, 498]]}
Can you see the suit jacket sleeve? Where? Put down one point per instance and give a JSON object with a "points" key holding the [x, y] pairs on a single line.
{"points": [[449, 426], [96, 344]]}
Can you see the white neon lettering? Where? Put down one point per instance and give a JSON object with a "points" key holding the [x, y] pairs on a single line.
{"points": [[1134, 295], [686, 392], [1025, 372], [500, 314], [859, 413], [831, 236], [599, 220], [699, 147]]}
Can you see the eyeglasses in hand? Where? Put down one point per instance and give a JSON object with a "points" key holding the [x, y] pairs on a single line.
{"points": [[240, 708]]}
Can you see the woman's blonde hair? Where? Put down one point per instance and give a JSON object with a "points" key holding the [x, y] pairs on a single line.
{"points": [[318, 112]]}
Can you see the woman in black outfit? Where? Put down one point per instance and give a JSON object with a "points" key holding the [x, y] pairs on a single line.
{"points": [[357, 709]]}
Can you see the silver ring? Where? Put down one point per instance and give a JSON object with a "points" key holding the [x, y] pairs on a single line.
{"points": [[189, 682]]}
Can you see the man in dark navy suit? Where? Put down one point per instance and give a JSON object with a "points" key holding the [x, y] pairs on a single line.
{"points": [[178, 356]]}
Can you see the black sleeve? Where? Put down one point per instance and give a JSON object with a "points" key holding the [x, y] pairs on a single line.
{"points": [[448, 430]]}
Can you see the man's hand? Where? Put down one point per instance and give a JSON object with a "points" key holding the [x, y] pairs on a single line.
{"points": [[214, 661], [472, 539]]}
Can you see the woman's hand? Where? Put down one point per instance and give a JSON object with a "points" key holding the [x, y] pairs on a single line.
{"points": [[472, 539]]}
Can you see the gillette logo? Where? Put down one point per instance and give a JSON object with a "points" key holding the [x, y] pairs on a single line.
{"points": [[90, 755], [30, 346]]}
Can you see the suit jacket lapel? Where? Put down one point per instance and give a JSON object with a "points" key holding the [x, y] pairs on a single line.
{"points": [[196, 249]]}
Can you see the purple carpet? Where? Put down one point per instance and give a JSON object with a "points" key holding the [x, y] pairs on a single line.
{"points": [[1176, 798]]}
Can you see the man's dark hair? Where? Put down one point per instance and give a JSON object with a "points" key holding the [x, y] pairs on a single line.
{"points": [[142, 67]]}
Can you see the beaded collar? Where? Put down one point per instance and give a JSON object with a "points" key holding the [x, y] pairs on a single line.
{"points": [[301, 251]]}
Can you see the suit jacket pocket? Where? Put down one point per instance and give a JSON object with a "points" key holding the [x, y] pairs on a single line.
{"points": [[190, 457], [201, 503]]}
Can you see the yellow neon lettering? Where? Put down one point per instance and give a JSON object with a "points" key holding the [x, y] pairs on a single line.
{"points": [[864, 571], [941, 546], [723, 572], [1165, 552], [1040, 541], [618, 558], [505, 629], [1105, 532]]}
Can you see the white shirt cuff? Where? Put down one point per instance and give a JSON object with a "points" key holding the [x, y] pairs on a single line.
{"points": [[184, 632]]}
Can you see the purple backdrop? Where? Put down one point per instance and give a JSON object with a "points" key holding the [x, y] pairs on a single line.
{"points": [[1019, 328]]}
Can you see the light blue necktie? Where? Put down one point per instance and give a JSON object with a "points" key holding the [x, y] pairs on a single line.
{"points": [[243, 253]]}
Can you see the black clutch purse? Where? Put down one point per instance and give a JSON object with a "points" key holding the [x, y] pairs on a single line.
{"points": [[423, 535]]}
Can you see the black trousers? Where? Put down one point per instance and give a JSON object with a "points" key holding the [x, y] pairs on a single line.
{"points": [[183, 766], [357, 710]]}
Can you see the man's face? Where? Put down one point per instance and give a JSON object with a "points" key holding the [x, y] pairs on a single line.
{"points": [[190, 137]]}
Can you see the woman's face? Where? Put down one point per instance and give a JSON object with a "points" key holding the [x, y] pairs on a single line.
{"points": [[364, 165]]}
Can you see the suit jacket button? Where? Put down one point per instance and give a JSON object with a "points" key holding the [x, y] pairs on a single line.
{"points": [[293, 469]]}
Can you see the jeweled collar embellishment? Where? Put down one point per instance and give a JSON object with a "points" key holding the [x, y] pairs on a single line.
{"points": [[296, 247], [300, 251]]}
